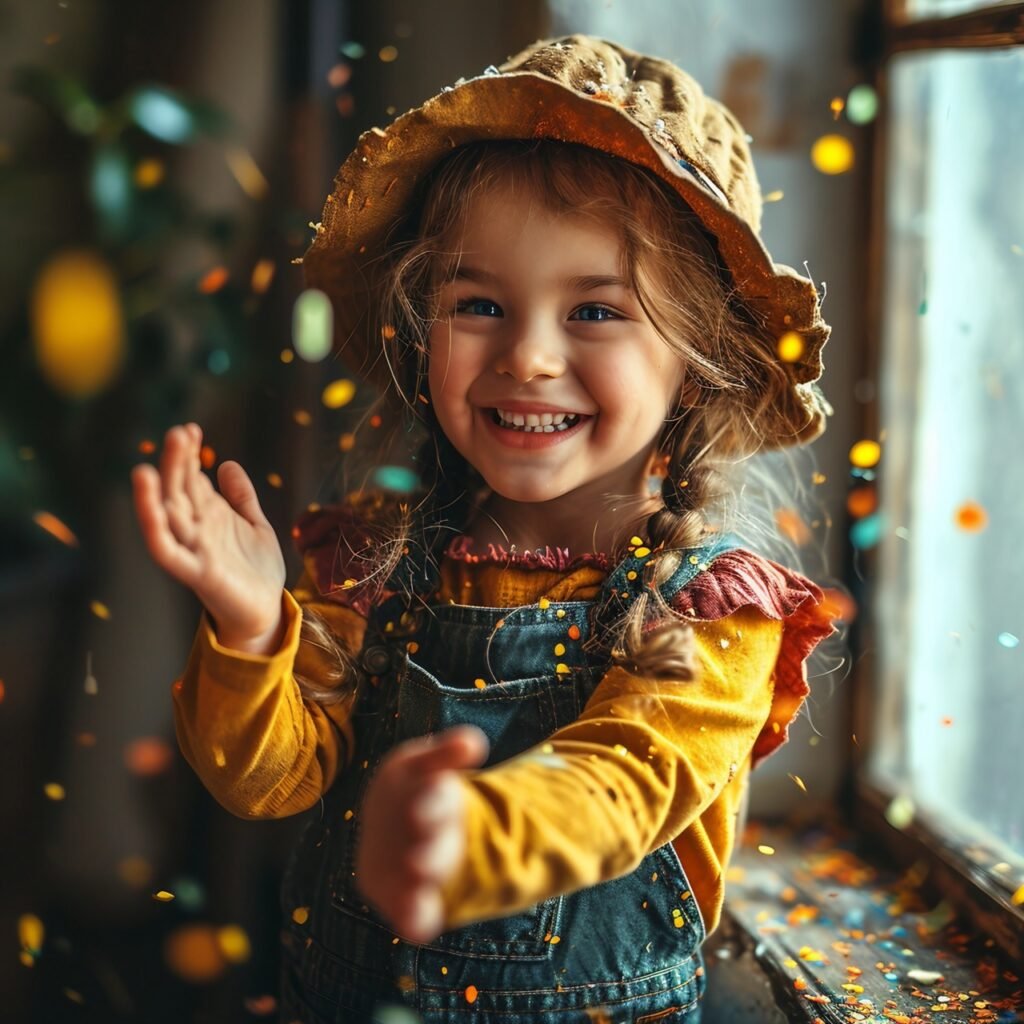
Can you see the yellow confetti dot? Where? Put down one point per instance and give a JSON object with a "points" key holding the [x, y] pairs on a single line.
{"points": [[163, 896], [561, 669], [300, 915], [555, 940], [766, 850], [620, 750], [1018, 897], [559, 650], [149, 173], [832, 154], [479, 683], [642, 552], [338, 393], [471, 993], [31, 933], [54, 790], [631, 575], [99, 609], [774, 196], [287, 355], [865, 454], [234, 943], [818, 478], [850, 987], [274, 479], [971, 517], [799, 782], [836, 105], [790, 347], [560, 613], [347, 442], [262, 275], [635, 541], [544, 603], [349, 814], [444, 970], [349, 584]]}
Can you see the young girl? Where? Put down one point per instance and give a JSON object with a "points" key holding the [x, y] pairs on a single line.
{"points": [[524, 700]]}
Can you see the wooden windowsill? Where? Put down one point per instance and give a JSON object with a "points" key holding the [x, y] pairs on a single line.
{"points": [[838, 935]]}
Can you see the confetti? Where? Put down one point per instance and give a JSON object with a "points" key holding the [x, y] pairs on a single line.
{"points": [[338, 393], [300, 915], [799, 782], [56, 528], [1008, 640], [900, 812], [574, 632], [246, 173], [213, 280], [766, 850], [865, 454], [924, 977], [54, 791], [861, 104], [471, 993], [234, 943], [792, 526], [479, 683], [971, 517], [862, 501], [262, 275], [790, 346], [149, 173], [312, 325], [774, 196], [832, 154], [388, 54], [148, 755], [193, 952]]}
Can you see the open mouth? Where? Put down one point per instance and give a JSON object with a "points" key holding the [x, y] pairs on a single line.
{"points": [[536, 423]]}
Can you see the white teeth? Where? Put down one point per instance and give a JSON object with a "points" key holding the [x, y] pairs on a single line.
{"points": [[538, 423]]}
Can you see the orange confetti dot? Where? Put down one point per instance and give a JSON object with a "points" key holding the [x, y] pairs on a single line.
{"points": [[274, 479], [148, 755], [302, 417], [947, 720], [792, 526], [971, 517], [147, 447], [213, 280], [53, 525], [574, 632], [862, 501], [207, 457], [375, 420], [387, 332], [471, 993], [799, 984], [347, 442], [838, 606], [479, 683], [3, 691]]}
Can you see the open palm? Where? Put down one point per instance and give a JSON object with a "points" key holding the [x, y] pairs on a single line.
{"points": [[221, 545]]}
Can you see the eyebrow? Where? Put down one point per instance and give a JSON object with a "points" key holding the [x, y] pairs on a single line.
{"points": [[582, 283]]}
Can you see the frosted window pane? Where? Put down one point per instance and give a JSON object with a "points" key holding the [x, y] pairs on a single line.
{"points": [[950, 603]]}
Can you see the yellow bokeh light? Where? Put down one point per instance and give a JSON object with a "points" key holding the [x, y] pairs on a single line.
{"points": [[865, 454], [149, 173], [832, 154], [234, 943], [193, 952], [77, 323], [338, 393], [790, 347]]}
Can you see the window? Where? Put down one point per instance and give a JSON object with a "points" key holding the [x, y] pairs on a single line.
{"points": [[948, 575]]}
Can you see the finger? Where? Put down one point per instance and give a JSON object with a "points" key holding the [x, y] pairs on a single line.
{"points": [[422, 917], [439, 801], [197, 484], [173, 470], [239, 491], [438, 857], [464, 746], [156, 532]]}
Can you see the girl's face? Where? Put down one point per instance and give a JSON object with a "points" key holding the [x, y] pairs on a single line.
{"points": [[544, 372]]}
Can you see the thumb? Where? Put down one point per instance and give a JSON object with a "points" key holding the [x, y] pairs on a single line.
{"points": [[464, 746], [240, 493]]}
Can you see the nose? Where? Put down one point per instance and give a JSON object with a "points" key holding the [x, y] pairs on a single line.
{"points": [[529, 352]]}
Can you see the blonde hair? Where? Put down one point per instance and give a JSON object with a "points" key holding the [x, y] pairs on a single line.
{"points": [[735, 383]]}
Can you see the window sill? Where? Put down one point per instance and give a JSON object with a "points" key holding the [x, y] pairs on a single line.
{"points": [[840, 937]]}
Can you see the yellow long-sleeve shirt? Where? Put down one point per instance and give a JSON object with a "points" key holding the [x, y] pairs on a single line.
{"points": [[263, 751]]}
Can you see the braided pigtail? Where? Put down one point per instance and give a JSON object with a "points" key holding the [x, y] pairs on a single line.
{"points": [[652, 640]]}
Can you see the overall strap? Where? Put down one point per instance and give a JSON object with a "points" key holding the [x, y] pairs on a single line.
{"points": [[625, 582]]}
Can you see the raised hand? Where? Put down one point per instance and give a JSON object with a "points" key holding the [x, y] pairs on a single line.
{"points": [[413, 836], [218, 544]]}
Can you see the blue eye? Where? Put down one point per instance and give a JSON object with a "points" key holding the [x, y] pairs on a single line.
{"points": [[467, 305], [611, 315]]}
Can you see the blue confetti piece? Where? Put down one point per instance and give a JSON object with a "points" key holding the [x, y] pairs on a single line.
{"points": [[867, 532], [1009, 640], [892, 977], [396, 478]]}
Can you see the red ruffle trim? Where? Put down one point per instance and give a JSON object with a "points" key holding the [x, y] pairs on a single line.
{"points": [[739, 578], [557, 559]]}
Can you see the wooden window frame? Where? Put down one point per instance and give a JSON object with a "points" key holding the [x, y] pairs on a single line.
{"points": [[970, 888]]}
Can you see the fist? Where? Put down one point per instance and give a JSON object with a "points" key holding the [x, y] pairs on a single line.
{"points": [[413, 835]]}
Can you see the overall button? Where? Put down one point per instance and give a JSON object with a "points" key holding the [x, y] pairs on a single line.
{"points": [[376, 660]]}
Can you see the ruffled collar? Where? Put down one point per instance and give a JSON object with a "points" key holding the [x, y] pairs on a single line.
{"points": [[556, 559]]}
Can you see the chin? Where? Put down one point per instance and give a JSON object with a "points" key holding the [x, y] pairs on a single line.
{"points": [[526, 494]]}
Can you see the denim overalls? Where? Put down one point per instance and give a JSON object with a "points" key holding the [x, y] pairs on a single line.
{"points": [[625, 951]]}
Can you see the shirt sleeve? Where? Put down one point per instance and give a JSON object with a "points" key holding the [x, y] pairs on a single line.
{"points": [[259, 747], [642, 762]]}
